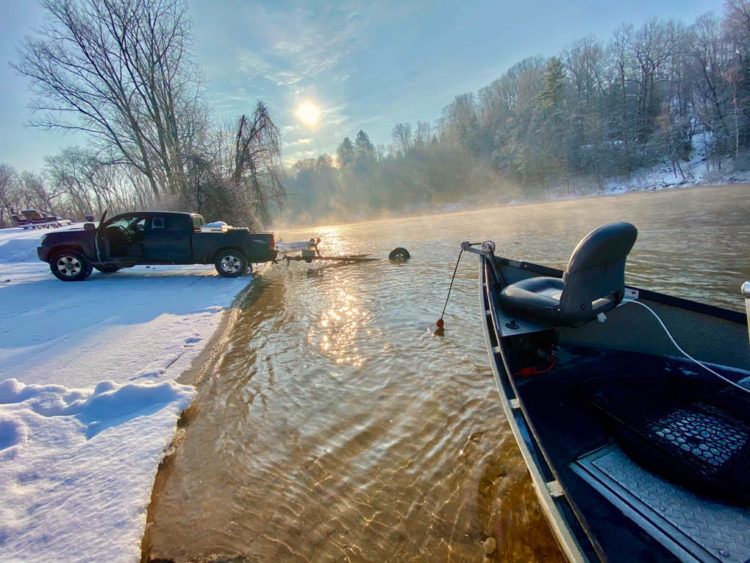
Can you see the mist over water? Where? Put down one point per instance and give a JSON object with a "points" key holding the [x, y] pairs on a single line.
{"points": [[336, 425]]}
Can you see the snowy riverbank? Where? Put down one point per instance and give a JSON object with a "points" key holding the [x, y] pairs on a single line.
{"points": [[694, 173], [88, 397]]}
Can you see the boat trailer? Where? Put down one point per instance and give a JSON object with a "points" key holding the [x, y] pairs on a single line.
{"points": [[309, 251]]}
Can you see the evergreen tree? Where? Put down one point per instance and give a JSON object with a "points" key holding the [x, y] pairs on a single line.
{"points": [[345, 153], [363, 147]]}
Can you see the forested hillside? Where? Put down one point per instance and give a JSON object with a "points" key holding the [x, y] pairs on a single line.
{"points": [[598, 110]]}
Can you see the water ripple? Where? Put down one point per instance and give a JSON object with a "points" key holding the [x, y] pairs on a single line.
{"points": [[337, 425]]}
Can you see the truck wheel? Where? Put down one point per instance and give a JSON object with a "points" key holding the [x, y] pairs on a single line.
{"points": [[107, 268], [70, 266], [230, 263]]}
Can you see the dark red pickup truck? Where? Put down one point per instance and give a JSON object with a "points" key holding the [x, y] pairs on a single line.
{"points": [[153, 237]]}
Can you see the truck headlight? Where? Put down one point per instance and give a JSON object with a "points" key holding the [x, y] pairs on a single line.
{"points": [[41, 240]]}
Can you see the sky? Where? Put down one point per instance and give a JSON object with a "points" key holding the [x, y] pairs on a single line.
{"points": [[364, 64]]}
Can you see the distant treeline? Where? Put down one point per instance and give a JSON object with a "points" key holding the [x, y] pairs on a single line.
{"points": [[595, 111]]}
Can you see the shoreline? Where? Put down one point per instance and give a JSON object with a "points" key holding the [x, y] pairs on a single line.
{"points": [[474, 205], [202, 367]]}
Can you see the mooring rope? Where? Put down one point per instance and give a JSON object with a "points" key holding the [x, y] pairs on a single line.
{"points": [[440, 324]]}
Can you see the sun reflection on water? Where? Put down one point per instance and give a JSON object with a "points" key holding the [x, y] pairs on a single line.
{"points": [[332, 242], [339, 324]]}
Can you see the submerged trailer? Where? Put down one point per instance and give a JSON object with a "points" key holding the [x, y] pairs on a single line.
{"points": [[309, 251]]}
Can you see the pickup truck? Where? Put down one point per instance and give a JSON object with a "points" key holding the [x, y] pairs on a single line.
{"points": [[153, 237]]}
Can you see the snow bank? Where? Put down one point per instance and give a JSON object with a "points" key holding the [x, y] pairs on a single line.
{"points": [[88, 401], [18, 245], [77, 465], [694, 172]]}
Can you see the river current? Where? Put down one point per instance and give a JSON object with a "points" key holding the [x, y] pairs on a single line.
{"points": [[332, 423]]}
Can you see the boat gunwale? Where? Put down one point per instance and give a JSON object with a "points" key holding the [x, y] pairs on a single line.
{"points": [[564, 535]]}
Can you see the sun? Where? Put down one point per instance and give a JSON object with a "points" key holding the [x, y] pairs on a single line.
{"points": [[308, 113]]}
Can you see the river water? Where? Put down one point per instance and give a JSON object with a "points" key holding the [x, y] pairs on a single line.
{"points": [[333, 424]]}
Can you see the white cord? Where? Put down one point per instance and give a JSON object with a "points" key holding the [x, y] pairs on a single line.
{"points": [[688, 356]]}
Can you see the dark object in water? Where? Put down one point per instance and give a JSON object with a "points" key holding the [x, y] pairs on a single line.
{"points": [[638, 449], [399, 254]]}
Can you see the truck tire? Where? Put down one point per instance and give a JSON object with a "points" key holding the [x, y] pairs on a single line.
{"points": [[107, 268], [230, 263], [68, 265]]}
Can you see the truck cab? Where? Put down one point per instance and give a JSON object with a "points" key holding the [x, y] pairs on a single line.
{"points": [[150, 236]]}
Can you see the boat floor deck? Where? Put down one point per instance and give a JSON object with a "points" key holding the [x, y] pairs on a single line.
{"points": [[590, 464]]}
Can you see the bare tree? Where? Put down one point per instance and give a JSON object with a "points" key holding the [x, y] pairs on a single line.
{"points": [[119, 70], [423, 135], [257, 162], [33, 193], [585, 67], [460, 124], [654, 45], [85, 183], [8, 193], [70, 174], [402, 138], [239, 177], [709, 56], [736, 26], [734, 79]]}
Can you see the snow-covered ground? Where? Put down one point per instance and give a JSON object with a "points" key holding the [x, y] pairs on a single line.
{"points": [[88, 398], [694, 172]]}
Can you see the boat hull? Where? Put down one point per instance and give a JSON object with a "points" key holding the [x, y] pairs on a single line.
{"points": [[540, 370]]}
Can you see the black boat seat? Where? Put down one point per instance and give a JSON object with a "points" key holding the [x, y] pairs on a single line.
{"points": [[593, 282]]}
